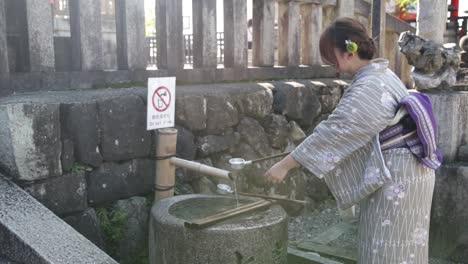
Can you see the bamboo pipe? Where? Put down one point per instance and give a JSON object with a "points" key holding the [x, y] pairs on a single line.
{"points": [[201, 168], [165, 170]]}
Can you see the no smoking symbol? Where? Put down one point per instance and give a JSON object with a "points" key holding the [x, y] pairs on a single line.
{"points": [[161, 99]]}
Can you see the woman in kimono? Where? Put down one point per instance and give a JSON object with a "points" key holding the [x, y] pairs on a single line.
{"points": [[376, 150]]}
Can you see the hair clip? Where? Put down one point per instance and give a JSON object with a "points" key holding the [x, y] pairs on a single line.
{"points": [[351, 46]]}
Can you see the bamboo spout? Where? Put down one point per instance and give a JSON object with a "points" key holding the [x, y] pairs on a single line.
{"points": [[201, 168]]}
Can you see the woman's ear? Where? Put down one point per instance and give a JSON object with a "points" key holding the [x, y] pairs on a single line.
{"points": [[349, 55]]}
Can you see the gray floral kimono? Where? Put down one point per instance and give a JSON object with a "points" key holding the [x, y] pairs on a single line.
{"points": [[394, 190]]}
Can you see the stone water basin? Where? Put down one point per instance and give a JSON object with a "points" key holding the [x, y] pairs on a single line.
{"points": [[258, 237]]}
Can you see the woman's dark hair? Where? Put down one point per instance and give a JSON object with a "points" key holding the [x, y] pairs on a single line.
{"points": [[338, 32]]}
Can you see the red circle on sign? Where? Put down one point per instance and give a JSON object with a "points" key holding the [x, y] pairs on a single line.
{"points": [[161, 99]]}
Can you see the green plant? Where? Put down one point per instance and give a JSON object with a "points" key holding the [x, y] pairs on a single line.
{"points": [[113, 224], [78, 168]]}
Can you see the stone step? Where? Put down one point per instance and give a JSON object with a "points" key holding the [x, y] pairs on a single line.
{"points": [[30, 233]]}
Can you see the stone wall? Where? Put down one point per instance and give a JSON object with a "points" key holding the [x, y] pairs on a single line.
{"points": [[84, 154]]}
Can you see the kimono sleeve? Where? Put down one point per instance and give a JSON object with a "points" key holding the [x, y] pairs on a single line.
{"points": [[364, 110]]}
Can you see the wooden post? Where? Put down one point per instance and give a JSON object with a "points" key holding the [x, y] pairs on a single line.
{"points": [[312, 17], [283, 19], [362, 10], [263, 41], [235, 33], [345, 8], [289, 33], [131, 42], [85, 27], [378, 25], [165, 170], [431, 19], [4, 67], [169, 33], [391, 48], [40, 35], [328, 13], [204, 34]]}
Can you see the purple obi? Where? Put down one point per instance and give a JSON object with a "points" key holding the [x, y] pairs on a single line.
{"points": [[420, 119]]}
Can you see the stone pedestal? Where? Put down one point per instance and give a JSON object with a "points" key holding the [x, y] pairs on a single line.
{"points": [[451, 113], [449, 233], [259, 237]]}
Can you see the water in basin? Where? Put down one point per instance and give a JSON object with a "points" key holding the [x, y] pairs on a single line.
{"points": [[201, 207]]}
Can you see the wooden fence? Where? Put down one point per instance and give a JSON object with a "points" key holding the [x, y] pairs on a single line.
{"points": [[26, 28]]}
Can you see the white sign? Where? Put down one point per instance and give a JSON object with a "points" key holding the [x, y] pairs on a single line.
{"points": [[161, 103]]}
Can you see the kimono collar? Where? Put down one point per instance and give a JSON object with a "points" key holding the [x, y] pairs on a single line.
{"points": [[376, 65]]}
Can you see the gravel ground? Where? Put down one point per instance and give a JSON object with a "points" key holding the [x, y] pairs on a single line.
{"points": [[311, 223]]}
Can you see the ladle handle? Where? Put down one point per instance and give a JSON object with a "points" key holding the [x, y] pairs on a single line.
{"points": [[270, 157]]}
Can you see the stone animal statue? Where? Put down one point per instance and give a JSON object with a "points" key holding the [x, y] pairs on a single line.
{"points": [[435, 67]]}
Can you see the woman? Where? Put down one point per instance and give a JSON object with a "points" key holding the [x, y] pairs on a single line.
{"points": [[377, 149]]}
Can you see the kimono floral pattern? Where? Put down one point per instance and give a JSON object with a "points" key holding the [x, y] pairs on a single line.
{"points": [[395, 191], [372, 175]]}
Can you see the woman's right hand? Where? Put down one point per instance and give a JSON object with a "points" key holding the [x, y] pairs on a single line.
{"points": [[277, 173]]}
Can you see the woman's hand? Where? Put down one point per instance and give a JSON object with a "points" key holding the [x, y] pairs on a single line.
{"points": [[278, 172]]}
